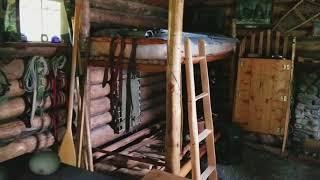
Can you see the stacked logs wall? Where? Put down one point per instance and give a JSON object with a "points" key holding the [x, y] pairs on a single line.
{"points": [[306, 127], [19, 134], [152, 104]]}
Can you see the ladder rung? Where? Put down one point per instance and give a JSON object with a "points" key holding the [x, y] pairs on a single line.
{"points": [[208, 172], [205, 133], [197, 59], [202, 95]]}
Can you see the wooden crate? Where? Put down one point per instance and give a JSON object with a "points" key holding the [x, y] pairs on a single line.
{"points": [[262, 95]]}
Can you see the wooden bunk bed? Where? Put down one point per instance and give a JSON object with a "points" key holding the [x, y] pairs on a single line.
{"points": [[151, 55], [170, 150], [136, 151]]}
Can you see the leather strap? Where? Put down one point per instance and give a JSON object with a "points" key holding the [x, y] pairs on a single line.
{"points": [[109, 61]]}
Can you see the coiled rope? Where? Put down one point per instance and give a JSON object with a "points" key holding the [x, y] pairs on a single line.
{"points": [[35, 81]]}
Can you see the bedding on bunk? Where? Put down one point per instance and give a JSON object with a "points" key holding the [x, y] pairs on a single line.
{"points": [[152, 48]]}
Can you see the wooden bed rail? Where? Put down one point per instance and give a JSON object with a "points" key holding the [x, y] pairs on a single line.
{"points": [[266, 43]]}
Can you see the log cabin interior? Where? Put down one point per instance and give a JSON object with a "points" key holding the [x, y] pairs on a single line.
{"points": [[157, 89]]}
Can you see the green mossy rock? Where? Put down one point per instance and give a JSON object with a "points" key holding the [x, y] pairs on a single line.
{"points": [[44, 163]]}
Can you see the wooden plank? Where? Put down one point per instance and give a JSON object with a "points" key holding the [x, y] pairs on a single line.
{"points": [[268, 42], [253, 42], [243, 84], [192, 112], [173, 91], [261, 43], [261, 85], [243, 46], [277, 43]]}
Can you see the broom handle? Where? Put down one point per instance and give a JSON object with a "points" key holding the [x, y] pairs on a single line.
{"points": [[75, 49]]}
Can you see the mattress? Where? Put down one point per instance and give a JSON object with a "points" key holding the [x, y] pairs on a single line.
{"points": [[153, 49]]}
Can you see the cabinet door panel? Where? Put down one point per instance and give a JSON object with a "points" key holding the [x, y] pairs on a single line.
{"points": [[262, 95]]}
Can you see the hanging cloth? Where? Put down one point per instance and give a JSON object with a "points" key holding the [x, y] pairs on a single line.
{"points": [[132, 87]]}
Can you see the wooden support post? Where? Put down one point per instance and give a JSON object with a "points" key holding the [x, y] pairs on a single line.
{"points": [[234, 28], [285, 46], [277, 43], [253, 42], [288, 110], [261, 43], [173, 91], [268, 42]]}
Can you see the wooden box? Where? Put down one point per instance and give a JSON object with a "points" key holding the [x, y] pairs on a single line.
{"points": [[262, 95]]}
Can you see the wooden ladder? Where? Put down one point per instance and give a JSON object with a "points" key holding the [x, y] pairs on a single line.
{"points": [[208, 133]]}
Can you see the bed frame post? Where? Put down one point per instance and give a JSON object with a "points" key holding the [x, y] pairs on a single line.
{"points": [[173, 87]]}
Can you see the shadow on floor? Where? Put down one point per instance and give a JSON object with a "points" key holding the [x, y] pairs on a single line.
{"points": [[258, 165]]}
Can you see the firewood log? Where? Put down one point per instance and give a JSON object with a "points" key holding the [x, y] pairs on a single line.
{"points": [[101, 135], [26, 145], [16, 89], [99, 106], [14, 70], [15, 128], [97, 91], [100, 120], [96, 75]]}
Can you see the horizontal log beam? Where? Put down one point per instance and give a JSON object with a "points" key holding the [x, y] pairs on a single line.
{"points": [[131, 7], [106, 17], [26, 145], [16, 128], [19, 50]]}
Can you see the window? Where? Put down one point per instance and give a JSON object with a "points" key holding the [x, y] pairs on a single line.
{"points": [[42, 17]]}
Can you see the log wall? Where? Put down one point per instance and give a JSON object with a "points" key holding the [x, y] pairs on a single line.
{"points": [[126, 13], [152, 104], [18, 134]]}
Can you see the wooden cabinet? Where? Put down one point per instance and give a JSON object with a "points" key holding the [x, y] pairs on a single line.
{"points": [[262, 95]]}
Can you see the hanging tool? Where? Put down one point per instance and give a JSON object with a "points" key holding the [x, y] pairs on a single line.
{"points": [[208, 133]]}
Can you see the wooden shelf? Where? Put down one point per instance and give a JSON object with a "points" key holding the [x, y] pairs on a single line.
{"points": [[27, 49]]}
